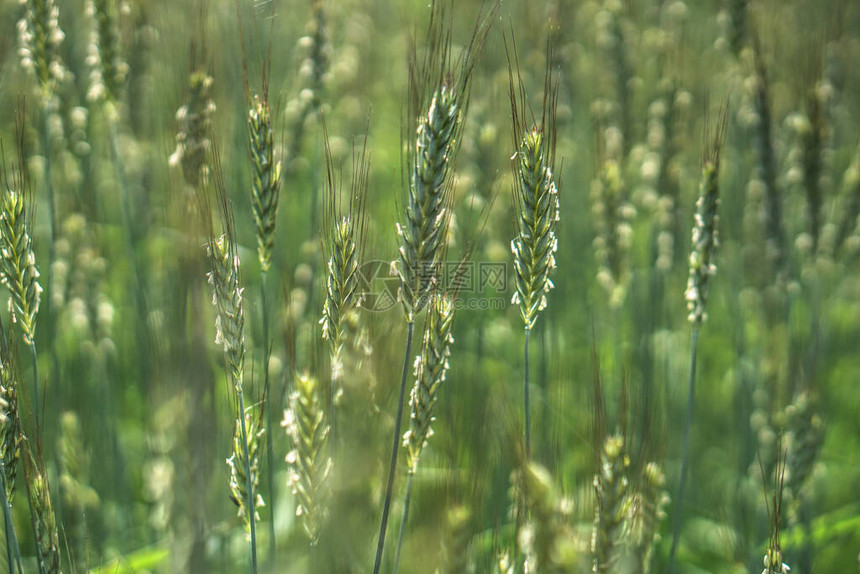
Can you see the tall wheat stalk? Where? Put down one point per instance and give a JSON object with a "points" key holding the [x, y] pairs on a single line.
{"points": [[228, 297], [535, 198], [438, 100], [702, 268]]}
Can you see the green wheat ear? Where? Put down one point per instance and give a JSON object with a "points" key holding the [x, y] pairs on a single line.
{"points": [[309, 463], [192, 139], [240, 483], [431, 367], [39, 39], [266, 183], [42, 517], [227, 296], [10, 426], [536, 199], [610, 489], [19, 271]]}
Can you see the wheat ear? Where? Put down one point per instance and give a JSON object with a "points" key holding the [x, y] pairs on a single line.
{"points": [[702, 268], [245, 472], [21, 276], [107, 68], [431, 367], [309, 462], [645, 511], [192, 139], [610, 489], [42, 516], [10, 449]]}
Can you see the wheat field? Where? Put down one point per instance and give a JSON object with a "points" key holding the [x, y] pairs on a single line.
{"points": [[436, 286]]}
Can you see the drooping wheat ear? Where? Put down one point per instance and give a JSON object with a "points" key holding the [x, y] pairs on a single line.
{"points": [[19, 263], [42, 516], [107, 68], [704, 240], [610, 489], [535, 199], [431, 367], [309, 462], [645, 510], [227, 296], [804, 439], [613, 215], [10, 430], [241, 484], [547, 542], [192, 139], [39, 39], [266, 182], [344, 235]]}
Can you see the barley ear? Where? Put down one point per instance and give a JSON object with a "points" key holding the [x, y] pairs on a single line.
{"points": [[431, 367], [266, 182], [309, 462], [241, 484]]}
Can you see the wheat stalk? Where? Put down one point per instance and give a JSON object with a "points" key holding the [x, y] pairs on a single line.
{"points": [[535, 198], [310, 465], [702, 268], [439, 95]]}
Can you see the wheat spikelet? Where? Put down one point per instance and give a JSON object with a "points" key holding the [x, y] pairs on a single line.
{"points": [[192, 139], [309, 462], [804, 439], [241, 484], [645, 511], [704, 238], [107, 68], [227, 296], [10, 426], [266, 182], [431, 366], [610, 489], [42, 517], [19, 270], [39, 39]]}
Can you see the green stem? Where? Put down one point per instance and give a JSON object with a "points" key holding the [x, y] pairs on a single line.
{"points": [[685, 452], [403, 521], [37, 404], [528, 434], [250, 509], [270, 456], [13, 552], [132, 239], [395, 443]]}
